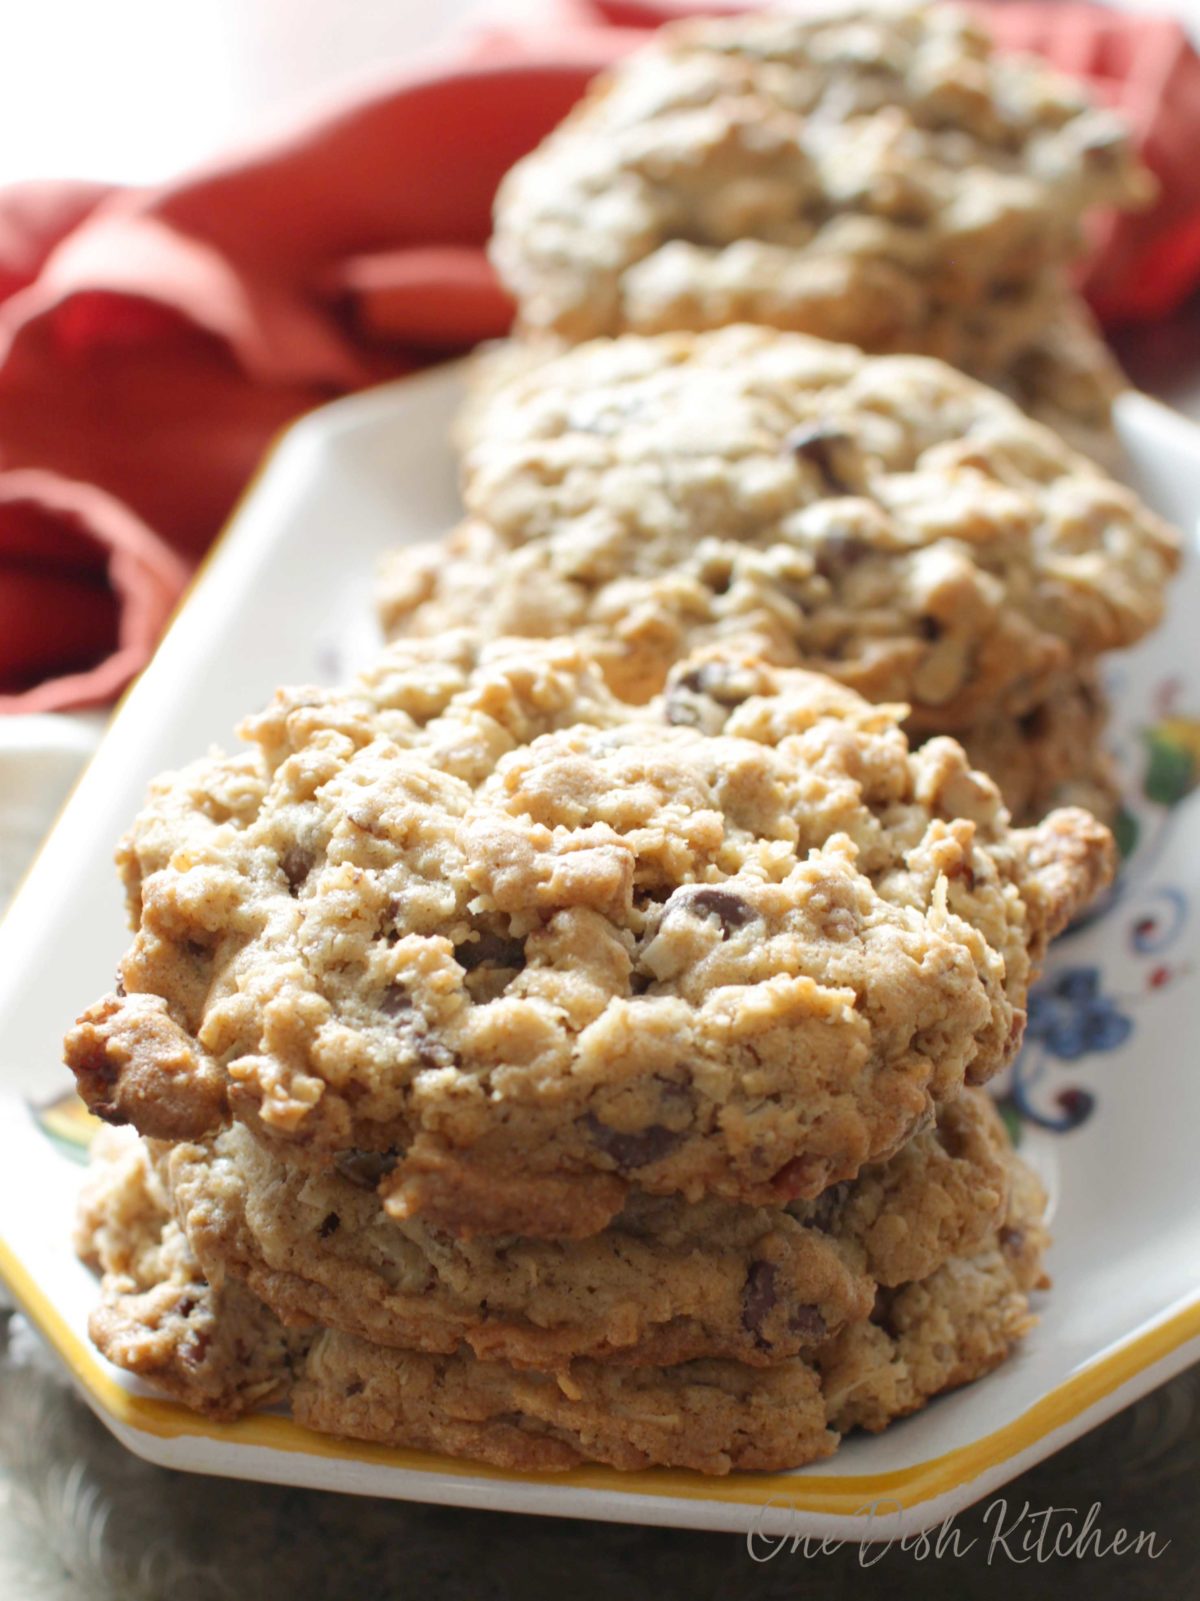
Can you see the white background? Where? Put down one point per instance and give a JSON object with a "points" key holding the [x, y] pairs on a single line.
{"points": [[137, 90]]}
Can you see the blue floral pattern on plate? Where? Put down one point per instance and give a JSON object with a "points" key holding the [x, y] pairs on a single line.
{"points": [[1078, 1011]]}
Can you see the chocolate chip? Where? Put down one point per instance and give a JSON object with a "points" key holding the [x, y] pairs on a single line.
{"points": [[823, 1211], [759, 1296], [731, 910], [680, 1094], [432, 1053], [632, 1150], [119, 987], [952, 1138], [1103, 147], [700, 696], [329, 1225], [682, 712], [355, 1387], [1011, 1240], [807, 1323], [929, 628], [817, 443], [966, 872], [391, 928], [395, 1000], [837, 552], [195, 1347], [720, 681], [296, 864], [426, 1051], [186, 1306], [494, 949], [882, 1313], [366, 1168]]}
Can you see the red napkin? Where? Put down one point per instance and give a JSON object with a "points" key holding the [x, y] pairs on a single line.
{"points": [[152, 342]]}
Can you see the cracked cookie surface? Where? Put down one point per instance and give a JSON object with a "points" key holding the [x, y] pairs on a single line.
{"points": [[523, 947]]}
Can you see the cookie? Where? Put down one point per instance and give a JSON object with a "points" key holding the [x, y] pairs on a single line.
{"points": [[1065, 376], [710, 1416], [884, 520], [864, 175], [1048, 356], [666, 1282], [1052, 755], [943, 1193], [943, 1331], [527, 946], [1055, 755], [218, 1352], [221, 1353]]}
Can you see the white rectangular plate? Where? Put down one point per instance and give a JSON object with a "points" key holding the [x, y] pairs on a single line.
{"points": [[286, 598]]}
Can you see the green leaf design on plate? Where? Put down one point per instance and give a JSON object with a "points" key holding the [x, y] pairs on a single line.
{"points": [[1171, 772], [1011, 1119], [1126, 831], [68, 1124]]}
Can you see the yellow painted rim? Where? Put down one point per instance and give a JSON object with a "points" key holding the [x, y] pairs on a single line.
{"points": [[841, 1494]]}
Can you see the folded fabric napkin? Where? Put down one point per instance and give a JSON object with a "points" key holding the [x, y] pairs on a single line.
{"points": [[152, 342]]}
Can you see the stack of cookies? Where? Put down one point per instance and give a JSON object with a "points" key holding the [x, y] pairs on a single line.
{"points": [[885, 520], [566, 1041], [872, 174], [535, 1077]]}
